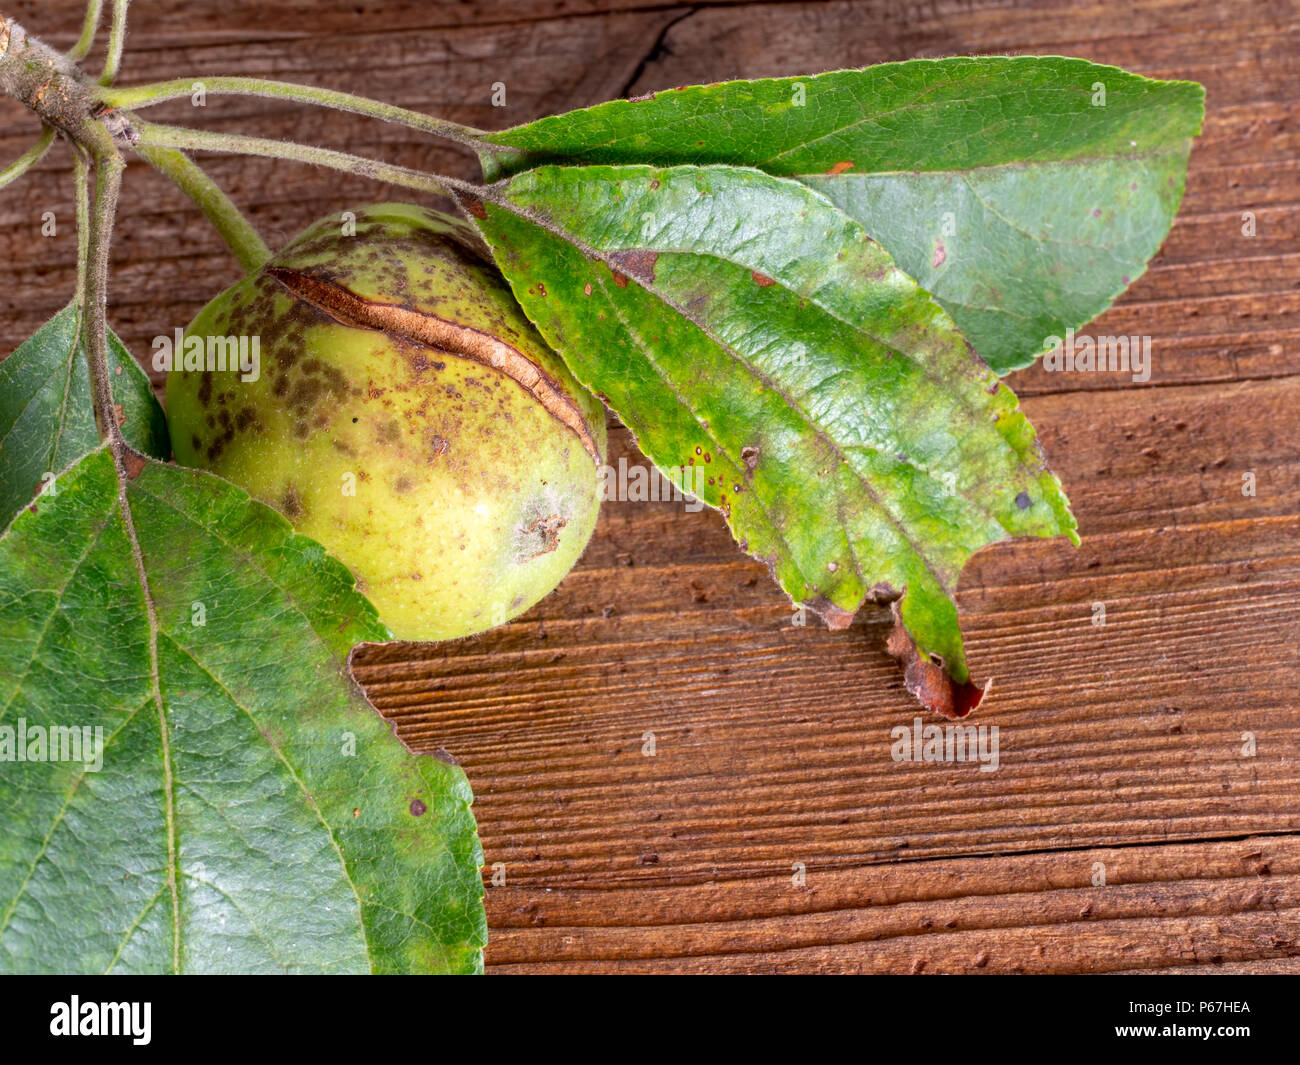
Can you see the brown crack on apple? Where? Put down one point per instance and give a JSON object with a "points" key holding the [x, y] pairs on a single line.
{"points": [[347, 308]]}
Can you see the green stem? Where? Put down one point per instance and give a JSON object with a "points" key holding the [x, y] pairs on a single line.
{"points": [[81, 176], [89, 28], [116, 40], [138, 96], [94, 321], [245, 242], [29, 158], [157, 136]]}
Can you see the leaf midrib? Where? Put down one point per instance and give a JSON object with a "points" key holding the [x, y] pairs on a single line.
{"points": [[169, 787], [821, 434], [289, 596], [293, 773]]}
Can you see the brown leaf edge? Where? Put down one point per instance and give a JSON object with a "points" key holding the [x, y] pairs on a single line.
{"points": [[928, 680]]}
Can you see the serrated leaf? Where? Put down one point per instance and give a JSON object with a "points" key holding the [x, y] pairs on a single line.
{"points": [[744, 327], [1024, 192], [253, 812], [46, 419]]}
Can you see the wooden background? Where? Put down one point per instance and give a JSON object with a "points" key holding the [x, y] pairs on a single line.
{"points": [[1120, 745]]}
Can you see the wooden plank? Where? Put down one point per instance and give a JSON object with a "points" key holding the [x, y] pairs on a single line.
{"points": [[1213, 907]]}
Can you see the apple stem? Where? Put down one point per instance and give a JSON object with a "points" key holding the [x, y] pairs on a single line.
{"points": [[81, 181], [245, 243]]}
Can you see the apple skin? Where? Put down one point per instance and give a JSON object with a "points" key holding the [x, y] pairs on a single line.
{"points": [[406, 415]]}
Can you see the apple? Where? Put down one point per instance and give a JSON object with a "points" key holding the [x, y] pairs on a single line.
{"points": [[395, 404]]}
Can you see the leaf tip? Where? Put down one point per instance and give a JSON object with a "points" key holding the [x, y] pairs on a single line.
{"points": [[928, 679], [835, 617]]}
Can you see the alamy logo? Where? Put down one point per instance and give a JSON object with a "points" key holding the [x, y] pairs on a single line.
{"points": [[639, 484], [1086, 355], [191, 353], [102, 1018], [53, 743], [951, 743]]}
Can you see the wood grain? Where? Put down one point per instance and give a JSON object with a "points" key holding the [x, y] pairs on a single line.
{"points": [[1119, 744], [1106, 910]]}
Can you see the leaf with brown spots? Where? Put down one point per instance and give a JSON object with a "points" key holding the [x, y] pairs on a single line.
{"points": [[747, 329], [231, 801]]}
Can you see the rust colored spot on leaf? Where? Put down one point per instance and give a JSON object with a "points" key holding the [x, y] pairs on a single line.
{"points": [[940, 254], [928, 680], [839, 168], [418, 809], [134, 464], [619, 279], [761, 280], [637, 264], [883, 592], [586, 289], [473, 205]]}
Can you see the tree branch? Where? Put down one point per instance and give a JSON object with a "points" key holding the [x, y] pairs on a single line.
{"points": [[50, 84]]}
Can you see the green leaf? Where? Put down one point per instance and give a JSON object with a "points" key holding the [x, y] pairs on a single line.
{"points": [[1004, 185], [46, 419], [745, 328], [252, 812]]}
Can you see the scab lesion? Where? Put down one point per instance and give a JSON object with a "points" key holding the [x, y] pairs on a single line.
{"points": [[539, 537], [291, 503]]}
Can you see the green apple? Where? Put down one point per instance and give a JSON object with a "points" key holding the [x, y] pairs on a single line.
{"points": [[402, 411]]}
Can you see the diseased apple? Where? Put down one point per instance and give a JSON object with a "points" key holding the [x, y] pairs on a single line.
{"points": [[405, 414]]}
